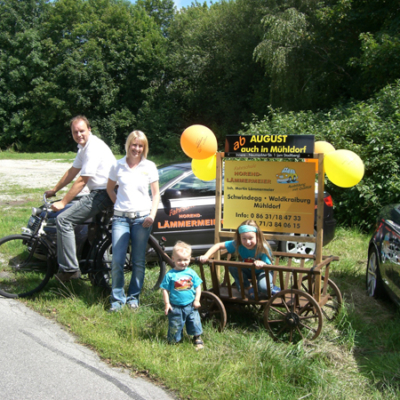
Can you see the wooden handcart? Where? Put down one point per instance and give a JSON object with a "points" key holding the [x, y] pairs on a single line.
{"points": [[297, 311], [307, 293]]}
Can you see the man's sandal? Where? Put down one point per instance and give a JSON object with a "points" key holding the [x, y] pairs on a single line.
{"points": [[198, 343]]}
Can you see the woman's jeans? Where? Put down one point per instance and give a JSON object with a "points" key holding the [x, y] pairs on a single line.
{"points": [[124, 230]]}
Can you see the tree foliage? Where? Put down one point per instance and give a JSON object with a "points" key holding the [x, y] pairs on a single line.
{"points": [[213, 74], [319, 53], [93, 57]]}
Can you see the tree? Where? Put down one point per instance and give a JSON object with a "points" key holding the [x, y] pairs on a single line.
{"points": [[99, 58], [162, 11], [21, 63], [312, 50], [213, 78], [379, 60]]}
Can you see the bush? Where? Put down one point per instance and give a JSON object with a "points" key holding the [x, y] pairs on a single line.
{"points": [[371, 129]]}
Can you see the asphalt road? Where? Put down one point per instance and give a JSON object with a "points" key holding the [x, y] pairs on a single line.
{"points": [[40, 361]]}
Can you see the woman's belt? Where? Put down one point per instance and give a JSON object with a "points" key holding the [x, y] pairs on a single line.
{"points": [[136, 214]]}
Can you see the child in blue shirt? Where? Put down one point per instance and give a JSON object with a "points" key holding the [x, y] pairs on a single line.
{"points": [[250, 245], [181, 288]]}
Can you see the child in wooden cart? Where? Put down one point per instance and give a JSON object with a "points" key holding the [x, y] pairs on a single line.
{"points": [[250, 245]]}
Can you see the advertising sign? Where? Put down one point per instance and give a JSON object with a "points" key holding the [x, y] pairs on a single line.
{"points": [[279, 196], [270, 146]]}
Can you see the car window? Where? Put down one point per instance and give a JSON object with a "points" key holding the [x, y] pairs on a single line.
{"points": [[167, 174], [395, 217], [391, 214], [191, 186]]}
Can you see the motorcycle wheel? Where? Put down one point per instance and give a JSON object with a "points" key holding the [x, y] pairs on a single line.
{"points": [[25, 266]]}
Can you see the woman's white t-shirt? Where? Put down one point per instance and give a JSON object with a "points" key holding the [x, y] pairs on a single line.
{"points": [[133, 191]]}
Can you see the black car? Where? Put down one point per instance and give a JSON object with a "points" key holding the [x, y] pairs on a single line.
{"points": [[187, 212], [383, 268]]}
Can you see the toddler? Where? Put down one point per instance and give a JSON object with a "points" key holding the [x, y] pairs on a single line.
{"points": [[181, 288]]}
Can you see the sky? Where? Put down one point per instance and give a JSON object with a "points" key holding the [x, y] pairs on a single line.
{"points": [[186, 3], [182, 3]]}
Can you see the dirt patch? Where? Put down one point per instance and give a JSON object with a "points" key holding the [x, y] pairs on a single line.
{"points": [[15, 203], [32, 173], [29, 174]]}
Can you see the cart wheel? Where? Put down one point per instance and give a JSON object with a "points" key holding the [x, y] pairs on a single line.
{"points": [[212, 309], [332, 307], [293, 315]]}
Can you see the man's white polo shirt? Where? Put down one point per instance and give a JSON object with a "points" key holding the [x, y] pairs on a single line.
{"points": [[95, 160]]}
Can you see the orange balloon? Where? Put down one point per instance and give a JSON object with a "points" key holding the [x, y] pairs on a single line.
{"points": [[313, 160], [323, 147], [198, 142]]}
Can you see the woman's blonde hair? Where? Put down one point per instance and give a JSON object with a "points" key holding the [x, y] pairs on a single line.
{"points": [[142, 137], [262, 246]]}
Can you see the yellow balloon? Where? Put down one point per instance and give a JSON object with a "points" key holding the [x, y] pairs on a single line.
{"points": [[198, 142], [323, 147], [344, 168], [205, 170]]}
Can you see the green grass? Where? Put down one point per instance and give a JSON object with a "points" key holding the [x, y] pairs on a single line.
{"points": [[62, 157], [355, 357]]}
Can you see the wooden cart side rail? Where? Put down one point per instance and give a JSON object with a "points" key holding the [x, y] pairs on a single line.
{"points": [[268, 267], [297, 277], [306, 257], [289, 277]]}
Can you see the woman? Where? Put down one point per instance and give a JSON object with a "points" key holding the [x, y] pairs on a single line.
{"points": [[134, 214]]}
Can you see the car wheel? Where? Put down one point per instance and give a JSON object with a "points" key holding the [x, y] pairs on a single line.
{"points": [[301, 247], [373, 278]]}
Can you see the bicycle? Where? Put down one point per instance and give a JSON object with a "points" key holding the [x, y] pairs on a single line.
{"points": [[29, 260]]}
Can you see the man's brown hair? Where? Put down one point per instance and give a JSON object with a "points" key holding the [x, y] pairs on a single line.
{"points": [[80, 118]]}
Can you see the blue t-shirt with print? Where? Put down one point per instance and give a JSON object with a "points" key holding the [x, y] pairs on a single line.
{"points": [[181, 286], [247, 255]]}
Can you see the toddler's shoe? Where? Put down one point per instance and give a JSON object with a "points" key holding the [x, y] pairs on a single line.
{"points": [[198, 343]]}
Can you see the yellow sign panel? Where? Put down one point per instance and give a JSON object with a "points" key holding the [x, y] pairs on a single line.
{"points": [[279, 196]]}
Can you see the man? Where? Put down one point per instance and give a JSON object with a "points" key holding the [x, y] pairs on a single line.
{"points": [[93, 161]]}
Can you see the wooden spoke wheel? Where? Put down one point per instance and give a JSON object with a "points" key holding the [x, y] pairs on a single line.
{"points": [[331, 308], [212, 309], [293, 315]]}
